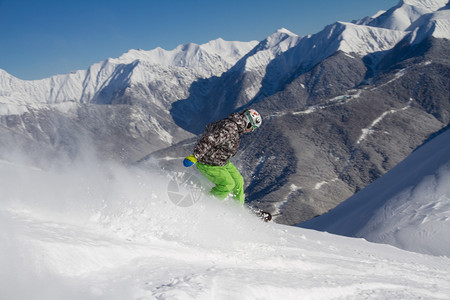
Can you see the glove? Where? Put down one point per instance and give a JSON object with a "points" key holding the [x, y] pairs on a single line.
{"points": [[189, 161]]}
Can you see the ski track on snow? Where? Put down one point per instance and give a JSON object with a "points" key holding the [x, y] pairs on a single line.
{"points": [[98, 230], [296, 264]]}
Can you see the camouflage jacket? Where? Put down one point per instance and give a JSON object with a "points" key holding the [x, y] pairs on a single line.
{"points": [[220, 140]]}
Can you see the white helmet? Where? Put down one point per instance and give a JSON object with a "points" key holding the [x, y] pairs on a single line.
{"points": [[253, 118]]}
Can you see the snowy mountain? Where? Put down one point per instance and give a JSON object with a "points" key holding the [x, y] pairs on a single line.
{"points": [[273, 62], [248, 78], [133, 67], [135, 72], [409, 207]]}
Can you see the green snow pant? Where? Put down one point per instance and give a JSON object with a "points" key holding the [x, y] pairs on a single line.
{"points": [[227, 180]]}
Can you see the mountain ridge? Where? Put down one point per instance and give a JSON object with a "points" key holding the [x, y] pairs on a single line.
{"points": [[83, 85], [401, 16], [218, 56]]}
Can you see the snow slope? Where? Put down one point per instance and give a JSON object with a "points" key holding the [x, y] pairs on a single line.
{"points": [[435, 24], [348, 38], [257, 62], [409, 207], [96, 230]]}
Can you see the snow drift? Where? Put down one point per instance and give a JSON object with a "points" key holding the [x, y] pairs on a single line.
{"points": [[409, 207]]}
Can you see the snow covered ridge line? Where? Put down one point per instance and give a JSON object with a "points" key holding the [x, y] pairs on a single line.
{"points": [[190, 55], [364, 40], [203, 61], [401, 16], [436, 25]]}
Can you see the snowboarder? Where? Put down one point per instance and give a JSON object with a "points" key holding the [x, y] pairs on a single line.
{"points": [[219, 143]]}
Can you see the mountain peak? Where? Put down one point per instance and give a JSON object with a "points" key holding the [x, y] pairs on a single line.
{"points": [[285, 31], [281, 36], [379, 13], [354, 38], [427, 4], [229, 50], [401, 16]]}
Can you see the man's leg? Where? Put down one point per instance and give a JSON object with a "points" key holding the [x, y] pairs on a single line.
{"points": [[238, 190], [220, 177]]}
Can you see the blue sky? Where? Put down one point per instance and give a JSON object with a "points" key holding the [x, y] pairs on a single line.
{"points": [[42, 38]]}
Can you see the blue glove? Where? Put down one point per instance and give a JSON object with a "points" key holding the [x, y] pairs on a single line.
{"points": [[189, 161]]}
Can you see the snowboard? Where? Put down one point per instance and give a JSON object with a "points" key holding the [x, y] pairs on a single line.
{"points": [[263, 215]]}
